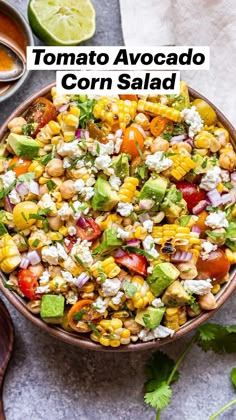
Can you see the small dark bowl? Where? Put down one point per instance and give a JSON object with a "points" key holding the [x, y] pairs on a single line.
{"points": [[81, 340]]}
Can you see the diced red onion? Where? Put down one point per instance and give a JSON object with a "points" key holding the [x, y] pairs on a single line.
{"points": [[33, 257], [200, 206], [146, 204], [144, 217], [226, 198], [190, 142], [81, 222], [140, 129], [178, 139], [81, 133], [24, 262], [233, 176], [34, 187], [120, 253], [181, 256], [8, 205], [63, 107], [119, 133], [73, 103], [133, 242], [196, 229], [82, 279], [22, 188], [5, 165], [214, 197]]}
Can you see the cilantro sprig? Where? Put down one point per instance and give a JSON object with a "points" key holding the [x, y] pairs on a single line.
{"points": [[162, 371]]}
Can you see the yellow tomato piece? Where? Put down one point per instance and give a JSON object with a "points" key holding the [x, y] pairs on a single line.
{"points": [[22, 212]]}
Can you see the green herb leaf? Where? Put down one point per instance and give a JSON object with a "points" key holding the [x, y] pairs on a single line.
{"points": [[94, 328], [102, 275], [129, 288], [233, 376], [138, 251], [79, 315], [83, 265], [26, 177], [51, 185], [3, 229], [159, 398], [217, 338], [139, 151], [228, 185], [142, 172], [86, 112], [35, 243], [166, 135], [28, 129], [184, 220], [4, 193], [75, 161], [204, 163], [158, 370], [44, 160]]}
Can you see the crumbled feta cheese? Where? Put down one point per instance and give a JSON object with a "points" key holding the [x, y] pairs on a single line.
{"points": [[50, 255], [217, 220], [118, 143], [192, 117], [197, 287], [115, 182], [122, 234], [91, 181], [72, 230], [102, 162], [47, 202], [225, 176], [81, 248], [211, 179], [61, 251], [66, 241], [150, 269], [100, 305], [65, 212], [207, 248], [69, 149], [8, 178], [14, 197], [157, 303], [159, 332], [117, 298], [42, 289], [158, 162], [149, 246], [71, 297], [148, 225], [67, 162], [79, 185], [67, 276], [124, 209], [44, 278], [87, 193], [110, 287]]}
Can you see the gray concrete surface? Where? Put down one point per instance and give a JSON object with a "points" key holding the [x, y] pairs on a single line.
{"points": [[50, 380]]}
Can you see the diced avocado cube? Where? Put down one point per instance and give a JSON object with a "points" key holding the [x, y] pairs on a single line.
{"points": [[121, 165], [110, 241], [23, 146], [3, 149], [154, 189], [173, 203], [150, 317], [52, 308], [104, 198], [175, 295], [162, 276]]}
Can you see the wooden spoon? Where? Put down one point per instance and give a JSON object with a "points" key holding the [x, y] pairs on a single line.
{"points": [[6, 347]]}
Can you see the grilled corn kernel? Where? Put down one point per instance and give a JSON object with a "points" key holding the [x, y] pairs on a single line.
{"points": [[215, 289], [63, 230], [108, 266], [159, 109], [127, 190], [37, 168]]}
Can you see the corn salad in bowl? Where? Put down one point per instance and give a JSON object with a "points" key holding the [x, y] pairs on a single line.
{"points": [[117, 214]]}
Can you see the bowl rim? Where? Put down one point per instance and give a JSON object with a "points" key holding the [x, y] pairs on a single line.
{"points": [[78, 340], [12, 12]]}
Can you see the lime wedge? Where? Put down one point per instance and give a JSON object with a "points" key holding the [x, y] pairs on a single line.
{"points": [[62, 22]]}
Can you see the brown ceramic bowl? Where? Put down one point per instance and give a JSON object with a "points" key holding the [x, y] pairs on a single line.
{"points": [[81, 340]]}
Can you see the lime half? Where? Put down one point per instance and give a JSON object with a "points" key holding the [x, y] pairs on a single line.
{"points": [[62, 22]]}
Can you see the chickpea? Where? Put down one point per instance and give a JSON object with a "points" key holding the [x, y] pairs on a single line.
{"points": [[183, 148], [159, 145], [127, 221], [132, 326], [227, 160], [54, 270], [55, 223], [215, 145], [43, 189], [88, 295], [20, 242], [55, 167], [37, 269], [15, 125], [158, 217], [34, 306], [207, 302], [67, 189], [187, 270]]}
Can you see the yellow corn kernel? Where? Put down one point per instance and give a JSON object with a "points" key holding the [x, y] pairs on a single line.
{"points": [[68, 136], [140, 233], [143, 121], [171, 318], [182, 313], [37, 168], [112, 218], [111, 323], [127, 189], [108, 266], [75, 111], [142, 296], [115, 112], [71, 120], [72, 267], [57, 196], [55, 236], [181, 165], [88, 287], [63, 230], [159, 109], [231, 255], [222, 134], [43, 180], [9, 254], [39, 224], [203, 139], [220, 187], [104, 341], [95, 337], [58, 284], [215, 289]]}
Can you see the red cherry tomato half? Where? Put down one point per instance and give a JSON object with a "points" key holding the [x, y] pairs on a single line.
{"points": [[27, 283], [41, 112], [215, 267], [132, 138], [191, 194], [87, 229], [19, 165], [134, 262], [160, 124]]}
